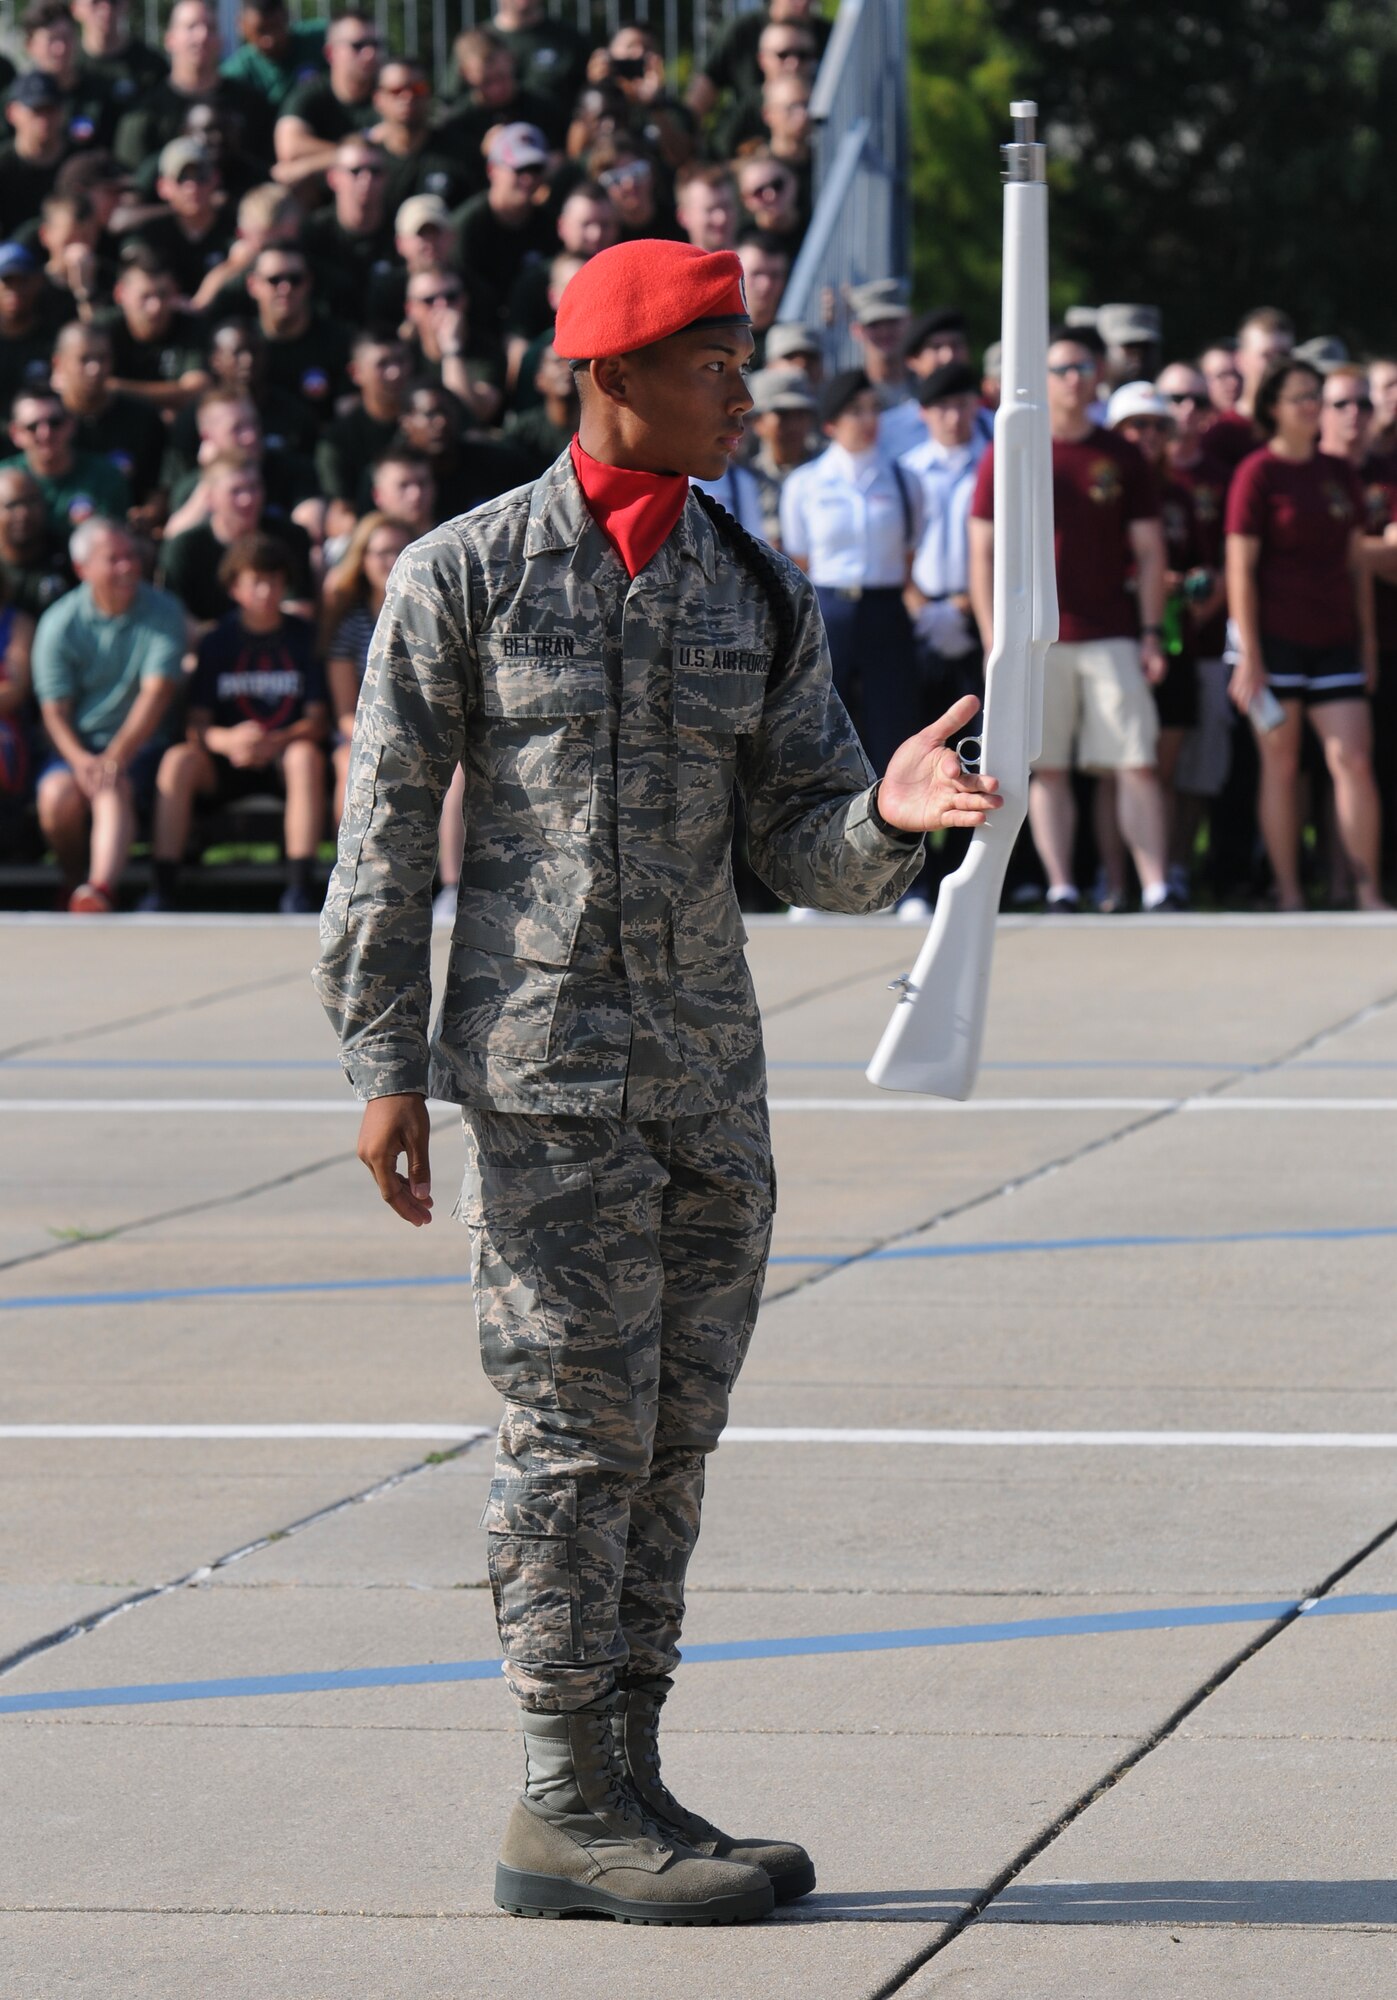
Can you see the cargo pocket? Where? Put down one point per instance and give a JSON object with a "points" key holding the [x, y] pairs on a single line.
{"points": [[543, 1296], [532, 1528]]}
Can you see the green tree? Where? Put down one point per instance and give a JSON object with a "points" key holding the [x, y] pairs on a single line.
{"points": [[1209, 161]]}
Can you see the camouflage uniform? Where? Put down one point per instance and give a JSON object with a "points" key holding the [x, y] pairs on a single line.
{"points": [[599, 1024]]}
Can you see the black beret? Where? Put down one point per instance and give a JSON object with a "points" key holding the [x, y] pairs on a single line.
{"points": [[840, 391], [941, 319], [952, 378]]}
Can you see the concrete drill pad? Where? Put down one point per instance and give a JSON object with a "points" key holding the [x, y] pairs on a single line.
{"points": [[1179, 1521], [1223, 1831], [408, 1819], [1159, 1962], [127, 1514], [119, 1955]]}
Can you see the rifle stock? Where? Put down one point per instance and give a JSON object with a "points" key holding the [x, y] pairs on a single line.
{"points": [[932, 1043]]}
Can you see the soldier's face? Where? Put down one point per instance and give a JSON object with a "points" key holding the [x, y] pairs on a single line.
{"points": [[681, 403]]}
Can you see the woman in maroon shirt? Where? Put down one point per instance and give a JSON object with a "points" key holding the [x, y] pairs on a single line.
{"points": [[1302, 602]]}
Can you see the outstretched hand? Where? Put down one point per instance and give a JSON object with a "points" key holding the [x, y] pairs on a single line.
{"points": [[391, 1127], [925, 786]]}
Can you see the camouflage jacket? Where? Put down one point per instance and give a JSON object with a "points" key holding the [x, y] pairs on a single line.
{"points": [[596, 961]]}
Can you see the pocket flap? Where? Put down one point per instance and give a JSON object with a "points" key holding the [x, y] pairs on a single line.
{"points": [[711, 928], [531, 1506], [541, 687], [539, 933], [722, 704]]}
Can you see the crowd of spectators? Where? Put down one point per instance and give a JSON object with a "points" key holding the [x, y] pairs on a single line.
{"points": [[267, 314]]}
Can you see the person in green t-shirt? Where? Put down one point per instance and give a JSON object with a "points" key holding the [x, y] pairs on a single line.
{"points": [[276, 57], [106, 665], [75, 484]]}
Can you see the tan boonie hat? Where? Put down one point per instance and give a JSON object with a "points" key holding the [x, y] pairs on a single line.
{"points": [[780, 389], [784, 340], [882, 298]]}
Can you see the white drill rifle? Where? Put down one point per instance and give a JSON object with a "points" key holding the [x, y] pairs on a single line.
{"points": [[932, 1043]]}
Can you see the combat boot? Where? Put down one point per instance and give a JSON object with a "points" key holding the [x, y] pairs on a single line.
{"points": [[579, 1840], [788, 1867]]}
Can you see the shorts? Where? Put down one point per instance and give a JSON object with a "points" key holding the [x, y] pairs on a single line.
{"points": [[1176, 697], [1097, 702], [1205, 758], [1312, 674], [235, 782], [140, 771]]}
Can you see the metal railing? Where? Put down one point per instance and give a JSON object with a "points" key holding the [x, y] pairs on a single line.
{"points": [[860, 228]]}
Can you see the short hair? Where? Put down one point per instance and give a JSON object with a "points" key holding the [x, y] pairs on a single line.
{"points": [[264, 554], [75, 204], [263, 205], [1272, 382], [1226, 343], [399, 452], [144, 257], [87, 532], [589, 191], [765, 240], [222, 392], [44, 14], [74, 332], [481, 42], [33, 392], [1268, 319], [713, 176], [246, 329], [1077, 336], [231, 461], [375, 336]]}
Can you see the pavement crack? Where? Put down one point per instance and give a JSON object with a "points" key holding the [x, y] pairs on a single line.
{"points": [[1136, 1756], [212, 1201], [840, 985], [1328, 1033], [81, 1627], [149, 1014]]}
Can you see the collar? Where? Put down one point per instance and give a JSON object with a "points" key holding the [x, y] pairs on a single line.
{"points": [[559, 518], [860, 466]]}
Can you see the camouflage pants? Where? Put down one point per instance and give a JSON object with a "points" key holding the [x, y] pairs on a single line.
{"points": [[617, 1271]]}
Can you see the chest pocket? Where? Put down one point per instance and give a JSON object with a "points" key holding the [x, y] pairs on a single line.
{"points": [[536, 746], [712, 709]]}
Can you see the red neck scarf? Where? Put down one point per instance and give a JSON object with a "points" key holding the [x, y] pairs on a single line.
{"points": [[636, 511]]}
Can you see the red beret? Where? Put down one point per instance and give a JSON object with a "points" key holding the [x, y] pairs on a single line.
{"points": [[637, 293]]}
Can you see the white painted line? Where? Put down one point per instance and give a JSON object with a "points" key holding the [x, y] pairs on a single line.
{"points": [[1192, 1440], [426, 1433], [929, 1107], [740, 1434]]}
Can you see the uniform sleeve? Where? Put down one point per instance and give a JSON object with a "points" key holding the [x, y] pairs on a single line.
{"points": [[807, 787], [1246, 498], [374, 972], [794, 540], [982, 504]]}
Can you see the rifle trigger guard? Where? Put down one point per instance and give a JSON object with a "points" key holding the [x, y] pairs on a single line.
{"points": [[970, 750]]}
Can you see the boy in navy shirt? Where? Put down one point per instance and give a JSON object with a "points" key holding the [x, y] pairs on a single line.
{"points": [[258, 714]]}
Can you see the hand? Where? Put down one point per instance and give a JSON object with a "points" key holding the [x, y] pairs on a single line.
{"points": [[925, 787], [1248, 679], [449, 325], [1152, 659], [80, 269], [652, 83], [89, 774], [391, 1126], [242, 745]]}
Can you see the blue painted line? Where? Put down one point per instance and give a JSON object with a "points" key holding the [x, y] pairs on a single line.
{"points": [[914, 1637], [923, 1252]]}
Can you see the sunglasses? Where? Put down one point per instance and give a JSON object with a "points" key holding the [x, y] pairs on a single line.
{"points": [[1364, 403], [366, 170], [362, 48], [791, 54], [417, 89], [1184, 396], [438, 299], [285, 281], [1073, 368], [42, 424]]}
